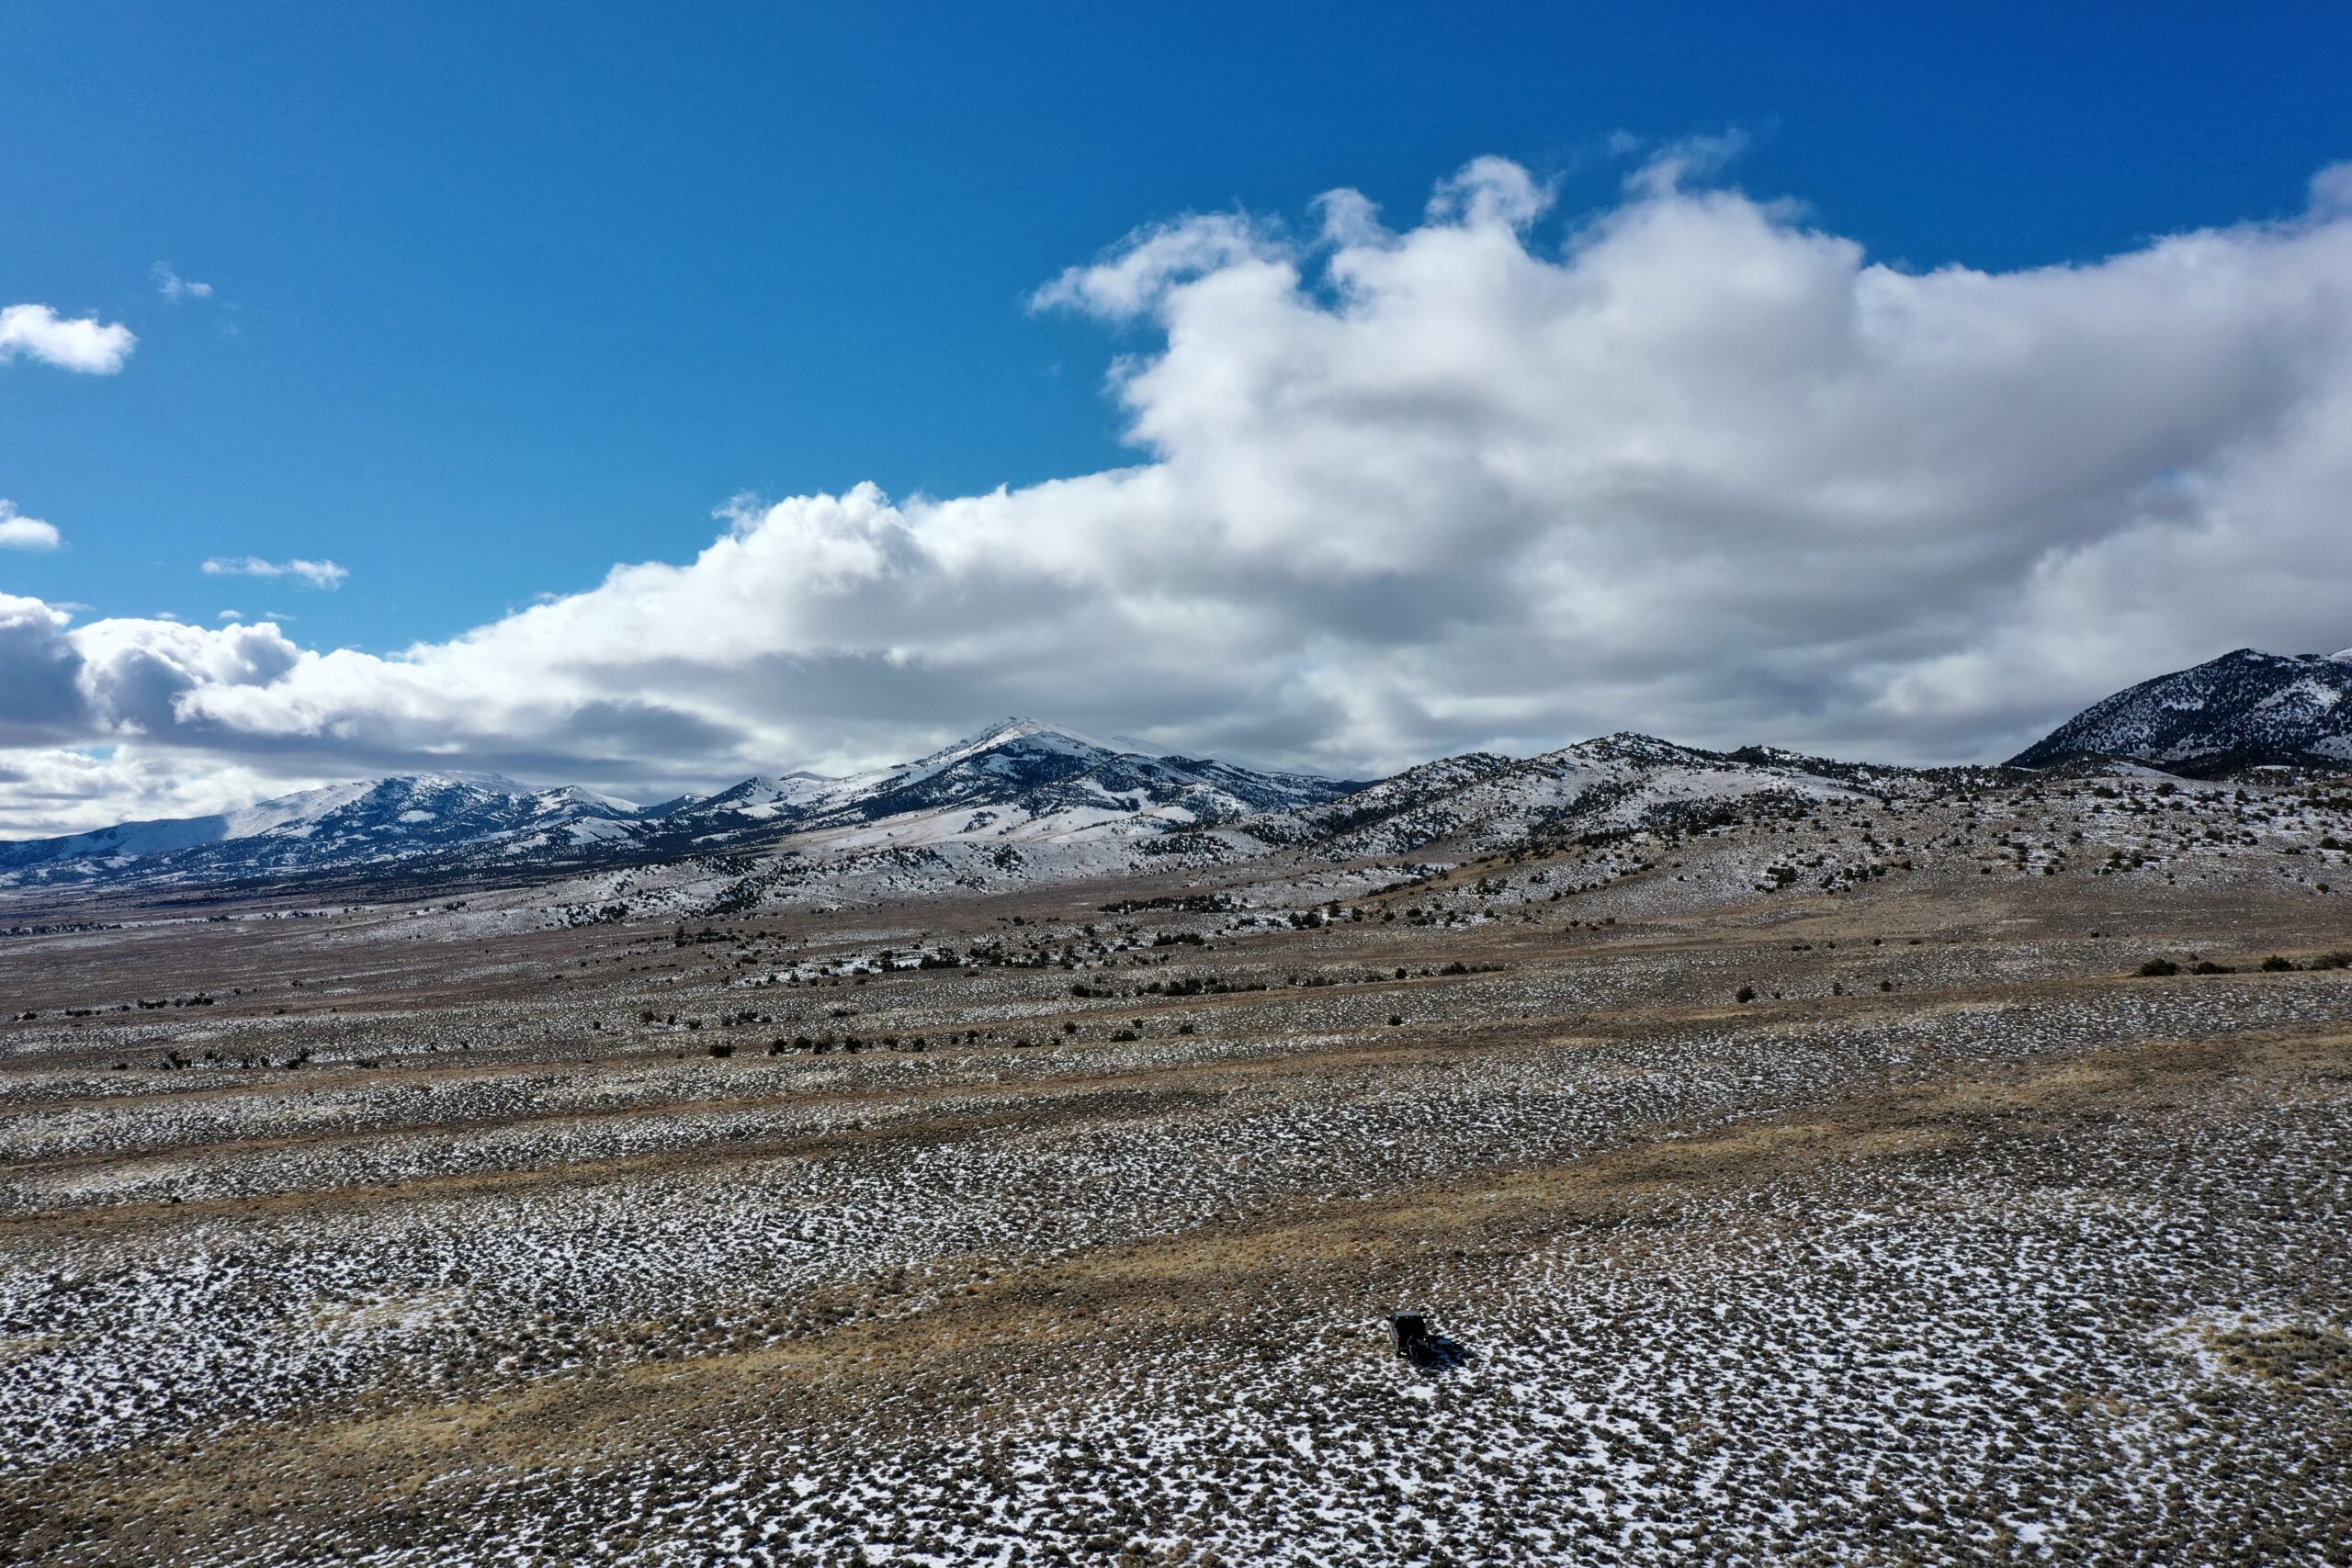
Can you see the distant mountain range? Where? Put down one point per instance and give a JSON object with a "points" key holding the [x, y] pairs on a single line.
{"points": [[1023, 799], [341, 825], [1016, 783], [1018, 801], [2245, 709]]}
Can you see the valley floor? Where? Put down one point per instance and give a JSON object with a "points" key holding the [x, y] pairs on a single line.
{"points": [[1961, 1241]]}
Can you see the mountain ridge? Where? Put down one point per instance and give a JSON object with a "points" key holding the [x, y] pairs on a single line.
{"points": [[1017, 776], [2244, 709], [997, 800]]}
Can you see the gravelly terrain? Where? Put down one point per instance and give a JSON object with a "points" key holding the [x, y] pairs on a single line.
{"points": [[395, 1234]]}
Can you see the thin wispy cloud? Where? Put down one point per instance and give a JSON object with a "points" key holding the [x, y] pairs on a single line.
{"points": [[82, 343], [307, 573], [174, 287], [18, 532]]}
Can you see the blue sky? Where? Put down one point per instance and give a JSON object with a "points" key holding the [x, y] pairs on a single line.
{"points": [[535, 287], [501, 297]]}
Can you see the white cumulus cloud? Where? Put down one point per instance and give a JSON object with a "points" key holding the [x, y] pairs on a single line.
{"points": [[18, 532], [83, 344], [308, 573], [1505, 476]]}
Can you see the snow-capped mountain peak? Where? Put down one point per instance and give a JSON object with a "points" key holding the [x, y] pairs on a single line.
{"points": [[2244, 709], [1016, 778], [1014, 734]]}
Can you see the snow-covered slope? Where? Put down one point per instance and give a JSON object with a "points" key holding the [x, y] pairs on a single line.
{"points": [[867, 847], [2243, 709], [1479, 802], [1018, 783], [337, 828], [1018, 780]]}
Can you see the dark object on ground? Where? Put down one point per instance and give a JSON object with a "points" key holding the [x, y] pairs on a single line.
{"points": [[1409, 1332], [1428, 1350], [2157, 966]]}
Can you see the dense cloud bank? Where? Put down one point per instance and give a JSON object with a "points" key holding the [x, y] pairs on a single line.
{"points": [[1687, 465]]}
